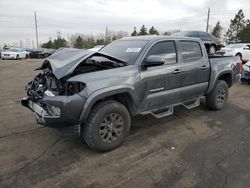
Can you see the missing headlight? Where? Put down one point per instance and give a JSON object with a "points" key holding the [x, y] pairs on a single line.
{"points": [[74, 87]]}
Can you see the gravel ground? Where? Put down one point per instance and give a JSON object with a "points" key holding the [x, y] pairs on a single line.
{"points": [[192, 148]]}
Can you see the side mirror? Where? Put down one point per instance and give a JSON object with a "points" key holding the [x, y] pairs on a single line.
{"points": [[153, 60]]}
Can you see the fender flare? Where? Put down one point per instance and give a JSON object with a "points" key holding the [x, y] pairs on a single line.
{"points": [[104, 93], [213, 82]]}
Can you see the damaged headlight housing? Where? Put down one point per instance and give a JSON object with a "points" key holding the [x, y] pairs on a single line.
{"points": [[246, 68], [74, 87]]}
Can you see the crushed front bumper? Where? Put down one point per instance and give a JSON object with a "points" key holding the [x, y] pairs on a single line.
{"points": [[61, 112]]}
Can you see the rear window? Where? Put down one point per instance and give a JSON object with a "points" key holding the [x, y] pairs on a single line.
{"points": [[190, 51]]}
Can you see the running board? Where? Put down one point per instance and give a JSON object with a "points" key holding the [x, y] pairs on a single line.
{"points": [[192, 104], [169, 110]]}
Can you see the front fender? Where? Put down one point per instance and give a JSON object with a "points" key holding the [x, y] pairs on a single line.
{"points": [[104, 93]]}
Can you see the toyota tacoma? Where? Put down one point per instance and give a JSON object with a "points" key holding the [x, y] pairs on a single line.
{"points": [[95, 94]]}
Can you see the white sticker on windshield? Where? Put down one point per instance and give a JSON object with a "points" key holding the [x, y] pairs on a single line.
{"points": [[136, 50]]}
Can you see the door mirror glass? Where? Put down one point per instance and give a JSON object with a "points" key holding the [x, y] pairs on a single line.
{"points": [[154, 60]]}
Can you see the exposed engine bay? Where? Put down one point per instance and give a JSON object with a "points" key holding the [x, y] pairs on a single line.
{"points": [[46, 83]]}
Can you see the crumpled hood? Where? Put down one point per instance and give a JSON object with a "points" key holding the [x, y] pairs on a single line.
{"points": [[65, 60]]}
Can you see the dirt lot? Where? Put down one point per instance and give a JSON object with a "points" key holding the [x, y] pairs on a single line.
{"points": [[197, 148]]}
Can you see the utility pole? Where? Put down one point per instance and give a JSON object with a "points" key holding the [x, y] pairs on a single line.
{"points": [[208, 17], [36, 30], [106, 34]]}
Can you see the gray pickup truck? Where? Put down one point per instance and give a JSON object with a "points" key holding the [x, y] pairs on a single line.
{"points": [[96, 93]]}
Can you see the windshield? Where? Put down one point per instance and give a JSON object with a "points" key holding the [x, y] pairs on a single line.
{"points": [[235, 46], [12, 50], [180, 34], [126, 50]]}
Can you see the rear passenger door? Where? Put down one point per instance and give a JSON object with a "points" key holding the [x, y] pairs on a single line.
{"points": [[195, 70]]}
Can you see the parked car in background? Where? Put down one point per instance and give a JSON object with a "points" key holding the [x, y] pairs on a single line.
{"points": [[96, 48], [212, 43], [15, 53], [240, 49], [41, 53], [245, 73]]}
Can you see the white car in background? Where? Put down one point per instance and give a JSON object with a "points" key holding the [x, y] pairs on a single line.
{"points": [[240, 49], [15, 53]]}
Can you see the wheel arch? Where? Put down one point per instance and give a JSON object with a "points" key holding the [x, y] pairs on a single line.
{"points": [[226, 75], [126, 96]]}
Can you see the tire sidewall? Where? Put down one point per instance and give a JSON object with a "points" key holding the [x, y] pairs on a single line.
{"points": [[220, 84], [102, 112]]}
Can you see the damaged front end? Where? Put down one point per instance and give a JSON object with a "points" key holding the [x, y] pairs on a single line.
{"points": [[55, 101]]}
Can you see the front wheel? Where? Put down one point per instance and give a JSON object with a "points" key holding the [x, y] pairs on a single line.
{"points": [[17, 57], [107, 126], [217, 98]]}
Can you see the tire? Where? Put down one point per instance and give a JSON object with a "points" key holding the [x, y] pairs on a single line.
{"points": [[217, 98], [212, 49], [17, 57], [26, 56], [107, 126]]}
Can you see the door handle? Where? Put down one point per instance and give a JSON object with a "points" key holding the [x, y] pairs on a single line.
{"points": [[176, 71], [203, 67]]}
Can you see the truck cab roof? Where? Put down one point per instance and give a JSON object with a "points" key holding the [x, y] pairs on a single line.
{"points": [[153, 38]]}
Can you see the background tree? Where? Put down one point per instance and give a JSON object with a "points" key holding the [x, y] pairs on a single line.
{"points": [[48, 44], [153, 31], [143, 30], [236, 26], [217, 30], [79, 42], [134, 32], [59, 43], [244, 35]]}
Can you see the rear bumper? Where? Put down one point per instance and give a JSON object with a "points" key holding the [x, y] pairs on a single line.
{"points": [[61, 112]]}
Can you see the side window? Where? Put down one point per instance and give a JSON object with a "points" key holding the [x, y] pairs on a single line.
{"points": [[247, 47], [193, 34], [203, 34], [190, 51], [165, 49]]}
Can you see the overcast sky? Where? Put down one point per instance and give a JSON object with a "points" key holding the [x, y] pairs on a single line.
{"points": [[91, 16]]}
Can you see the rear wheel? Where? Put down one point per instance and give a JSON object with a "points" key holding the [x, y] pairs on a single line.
{"points": [[107, 126], [217, 98]]}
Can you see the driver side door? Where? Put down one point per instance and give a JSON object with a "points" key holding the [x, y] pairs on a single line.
{"points": [[160, 84]]}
